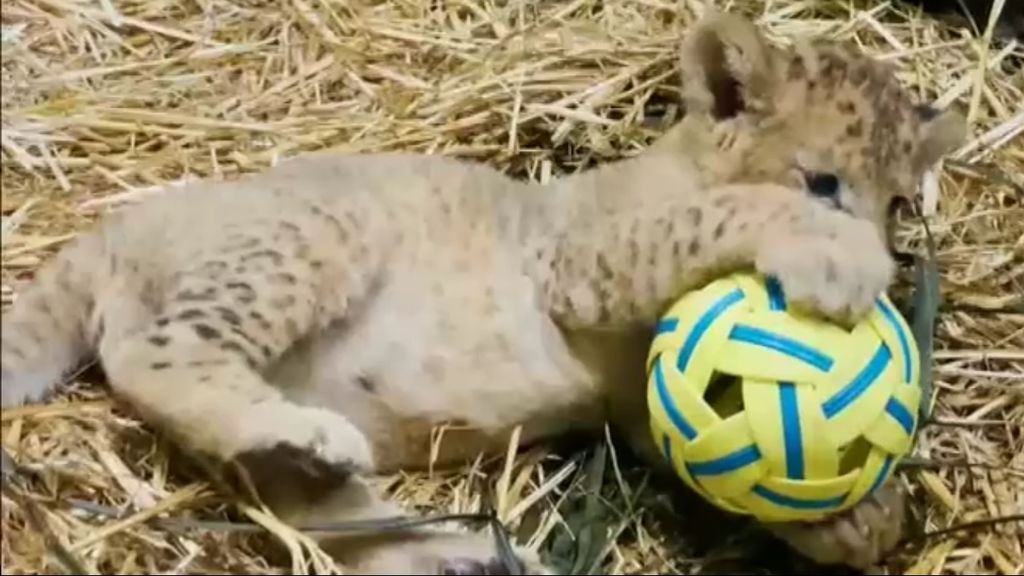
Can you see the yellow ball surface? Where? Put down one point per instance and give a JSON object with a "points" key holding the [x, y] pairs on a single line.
{"points": [[776, 414]]}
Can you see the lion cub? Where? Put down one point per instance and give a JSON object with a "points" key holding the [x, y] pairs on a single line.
{"points": [[325, 316]]}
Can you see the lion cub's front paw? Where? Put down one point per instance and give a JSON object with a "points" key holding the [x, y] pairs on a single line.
{"points": [[305, 442], [452, 553], [466, 566], [837, 267], [859, 537]]}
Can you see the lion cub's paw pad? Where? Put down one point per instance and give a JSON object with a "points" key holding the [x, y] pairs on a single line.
{"points": [[309, 443], [494, 566], [286, 460], [465, 566], [859, 537]]}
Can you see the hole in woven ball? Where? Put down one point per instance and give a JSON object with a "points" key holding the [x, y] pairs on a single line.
{"points": [[854, 455], [724, 394]]}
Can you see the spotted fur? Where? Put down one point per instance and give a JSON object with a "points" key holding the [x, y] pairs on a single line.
{"points": [[328, 316]]}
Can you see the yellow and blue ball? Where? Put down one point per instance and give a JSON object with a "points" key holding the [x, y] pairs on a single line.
{"points": [[780, 415]]}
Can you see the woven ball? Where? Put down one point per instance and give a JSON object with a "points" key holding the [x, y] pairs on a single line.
{"points": [[776, 414]]}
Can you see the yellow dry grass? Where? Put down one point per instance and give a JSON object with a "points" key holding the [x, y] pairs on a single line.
{"points": [[104, 102]]}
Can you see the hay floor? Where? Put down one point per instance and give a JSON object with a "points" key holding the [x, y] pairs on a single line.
{"points": [[104, 102]]}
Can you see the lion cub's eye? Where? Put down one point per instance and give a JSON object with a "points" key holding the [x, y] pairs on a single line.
{"points": [[822, 184]]}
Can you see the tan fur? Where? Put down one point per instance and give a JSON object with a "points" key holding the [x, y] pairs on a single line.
{"points": [[333, 311]]}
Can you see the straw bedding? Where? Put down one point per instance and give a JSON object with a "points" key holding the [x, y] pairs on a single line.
{"points": [[105, 102]]}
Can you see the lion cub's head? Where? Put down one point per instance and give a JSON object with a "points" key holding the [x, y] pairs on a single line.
{"points": [[821, 116]]}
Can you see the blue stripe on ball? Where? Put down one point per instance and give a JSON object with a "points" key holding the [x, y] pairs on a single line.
{"points": [[666, 448], [728, 463], [791, 431], [666, 325], [881, 474], [776, 297], [890, 318], [702, 325], [673, 412], [779, 343], [849, 394], [900, 413], [799, 504]]}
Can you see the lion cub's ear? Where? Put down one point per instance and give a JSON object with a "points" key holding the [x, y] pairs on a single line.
{"points": [[939, 133], [726, 67]]}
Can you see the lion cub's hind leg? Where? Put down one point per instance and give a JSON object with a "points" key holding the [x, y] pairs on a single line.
{"points": [[195, 367], [422, 550], [859, 537]]}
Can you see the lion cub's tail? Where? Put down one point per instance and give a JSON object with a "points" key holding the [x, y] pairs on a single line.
{"points": [[46, 332]]}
